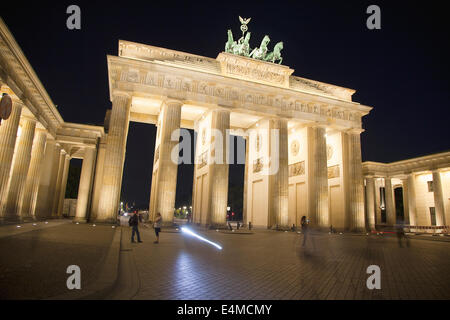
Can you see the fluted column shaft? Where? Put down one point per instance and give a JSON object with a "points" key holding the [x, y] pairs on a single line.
{"points": [[164, 188], [61, 163], [247, 165], [317, 177], [279, 181], [29, 195], [412, 213], [62, 192], [98, 180], [8, 136], [438, 198], [47, 183], [370, 203], [114, 159], [405, 188], [18, 176], [390, 204], [356, 183], [219, 171], [85, 185]]}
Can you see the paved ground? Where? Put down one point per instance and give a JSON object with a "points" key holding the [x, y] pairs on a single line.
{"points": [[261, 265], [273, 265], [34, 259]]}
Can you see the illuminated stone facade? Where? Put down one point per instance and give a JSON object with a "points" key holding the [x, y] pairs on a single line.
{"points": [[311, 166]]}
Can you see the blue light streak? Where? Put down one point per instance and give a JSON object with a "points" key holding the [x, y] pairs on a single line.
{"points": [[186, 230]]}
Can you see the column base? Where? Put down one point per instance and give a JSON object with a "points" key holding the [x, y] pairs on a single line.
{"points": [[79, 220]]}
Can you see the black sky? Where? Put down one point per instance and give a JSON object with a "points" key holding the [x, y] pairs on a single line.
{"points": [[401, 70]]}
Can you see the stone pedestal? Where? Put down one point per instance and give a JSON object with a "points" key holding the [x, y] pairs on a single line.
{"points": [[8, 136], [438, 198], [114, 159], [85, 187], [18, 176], [317, 178], [164, 180], [29, 195]]}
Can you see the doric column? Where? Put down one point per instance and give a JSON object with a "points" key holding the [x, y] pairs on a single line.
{"points": [[8, 136], [405, 201], [61, 163], [47, 183], [29, 195], [390, 204], [412, 214], [438, 198], [355, 183], [98, 180], [62, 193], [279, 181], [18, 176], [114, 158], [317, 177], [219, 170], [370, 202], [164, 181], [377, 201], [245, 196], [85, 186]]}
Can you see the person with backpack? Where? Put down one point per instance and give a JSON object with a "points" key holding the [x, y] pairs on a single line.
{"points": [[134, 223]]}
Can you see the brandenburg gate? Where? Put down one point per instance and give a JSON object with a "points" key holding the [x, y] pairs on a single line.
{"points": [[318, 152], [302, 152]]}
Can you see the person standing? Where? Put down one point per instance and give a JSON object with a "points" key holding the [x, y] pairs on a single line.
{"points": [[304, 223], [134, 223], [157, 226]]}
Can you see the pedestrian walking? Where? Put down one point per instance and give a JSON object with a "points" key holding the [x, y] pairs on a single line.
{"points": [[401, 235], [305, 231], [157, 226], [134, 223]]}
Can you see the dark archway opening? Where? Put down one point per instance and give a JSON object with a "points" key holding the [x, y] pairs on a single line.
{"points": [[73, 182], [138, 167], [236, 171]]}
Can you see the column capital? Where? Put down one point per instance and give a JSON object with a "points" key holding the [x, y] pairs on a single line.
{"points": [[172, 102], [27, 118], [120, 93], [354, 130]]}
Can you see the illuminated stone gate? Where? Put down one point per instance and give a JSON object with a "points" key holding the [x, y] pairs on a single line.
{"points": [[319, 154]]}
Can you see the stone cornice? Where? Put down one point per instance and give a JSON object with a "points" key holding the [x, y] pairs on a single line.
{"points": [[398, 168], [21, 77]]}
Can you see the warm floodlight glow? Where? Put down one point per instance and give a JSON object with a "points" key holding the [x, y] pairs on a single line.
{"points": [[200, 237]]}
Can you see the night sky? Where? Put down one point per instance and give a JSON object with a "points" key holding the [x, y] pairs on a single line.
{"points": [[401, 70]]}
